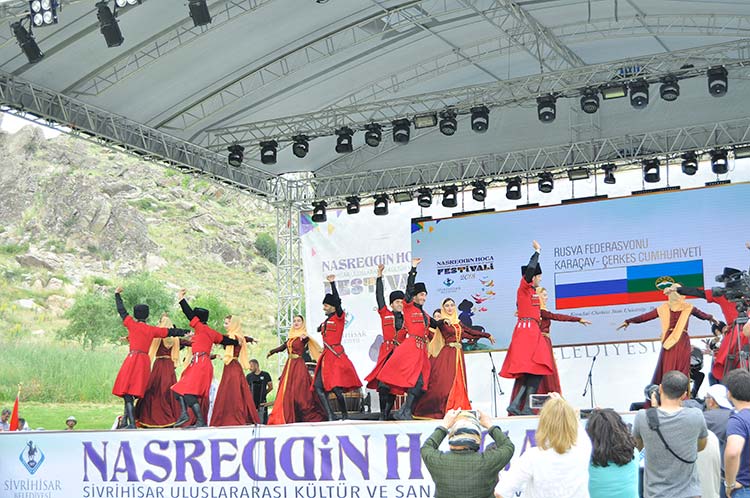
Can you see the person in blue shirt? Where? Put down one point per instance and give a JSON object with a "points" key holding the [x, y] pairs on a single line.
{"points": [[737, 449], [613, 472]]}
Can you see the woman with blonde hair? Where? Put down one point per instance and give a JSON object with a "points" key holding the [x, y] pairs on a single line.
{"points": [[558, 466], [295, 401]]}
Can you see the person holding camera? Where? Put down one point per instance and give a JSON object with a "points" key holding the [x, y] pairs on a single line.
{"points": [[672, 436]]}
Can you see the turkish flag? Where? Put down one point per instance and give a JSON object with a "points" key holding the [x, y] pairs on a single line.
{"points": [[14, 416]]}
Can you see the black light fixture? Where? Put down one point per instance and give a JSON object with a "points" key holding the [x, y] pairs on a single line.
{"points": [[27, 43], [669, 89], [589, 101], [236, 155], [401, 131], [546, 108], [448, 124], [425, 120], [319, 212], [719, 164], [199, 12], [424, 197], [43, 12], [718, 82], [373, 134], [513, 189], [689, 163], [480, 119], [613, 91], [300, 145], [344, 140], [651, 171], [381, 205], [546, 182], [609, 173], [268, 150], [450, 196], [639, 94], [479, 192], [352, 205], [108, 25]]}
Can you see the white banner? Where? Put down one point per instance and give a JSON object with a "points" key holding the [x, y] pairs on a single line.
{"points": [[324, 460]]}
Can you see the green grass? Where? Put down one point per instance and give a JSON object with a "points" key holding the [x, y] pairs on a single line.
{"points": [[52, 416]]}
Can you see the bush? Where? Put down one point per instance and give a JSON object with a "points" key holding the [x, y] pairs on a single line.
{"points": [[266, 246]]}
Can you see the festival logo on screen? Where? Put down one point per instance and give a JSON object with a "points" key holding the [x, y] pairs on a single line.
{"points": [[448, 282], [31, 457]]}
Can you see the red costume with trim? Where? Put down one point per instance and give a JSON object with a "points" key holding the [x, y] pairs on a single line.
{"points": [[134, 373], [334, 364], [158, 407], [197, 377], [391, 339], [722, 362]]}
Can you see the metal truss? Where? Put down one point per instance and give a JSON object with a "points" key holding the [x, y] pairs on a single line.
{"points": [[622, 149], [564, 83], [76, 117], [289, 277], [149, 51]]}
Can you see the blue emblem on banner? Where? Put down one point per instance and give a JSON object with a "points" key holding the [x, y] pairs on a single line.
{"points": [[448, 282], [31, 457]]}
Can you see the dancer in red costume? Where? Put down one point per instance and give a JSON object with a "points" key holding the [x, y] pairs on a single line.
{"points": [[408, 368], [295, 401], [133, 376], [158, 408], [234, 403], [448, 389], [195, 382], [675, 342], [528, 358], [392, 325], [334, 372]]}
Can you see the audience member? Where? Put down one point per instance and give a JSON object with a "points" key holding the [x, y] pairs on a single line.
{"points": [[613, 472], [672, 436], [260, 385], [5, 420], [559, 465], [22, 425], [465, 471], [737, 451], [718, 410], [71, 423], [709, 467]]}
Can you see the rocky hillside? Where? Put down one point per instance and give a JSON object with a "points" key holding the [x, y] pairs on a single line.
{"points": [[73, 215]]}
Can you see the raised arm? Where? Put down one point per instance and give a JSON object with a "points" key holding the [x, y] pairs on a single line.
{"points": [[379, 291], [691, 291], [228, 341], [281, 347], [120, 306], [411, 279], [335, 292], [528, 275], [186, 309], [559, 317], [702, 315]]}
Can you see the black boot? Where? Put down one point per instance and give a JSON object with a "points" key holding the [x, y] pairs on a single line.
{"points": [[342, 402], [405, 412], [381, 398], [527, 406], [183, 418], [199, 422], [129, 412], [324, 401], [389, 399], [515, 406]]}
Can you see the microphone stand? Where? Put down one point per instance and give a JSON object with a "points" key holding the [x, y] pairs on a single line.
{"points": [[590, 381], [496, 389]]}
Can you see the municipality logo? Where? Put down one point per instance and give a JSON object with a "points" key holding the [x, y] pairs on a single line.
{"points": [[448, 282], [31, 457]]}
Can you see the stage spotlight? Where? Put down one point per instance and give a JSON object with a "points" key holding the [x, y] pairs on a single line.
{"points": [[26, 40], [613, 91], [268, 150], [639, 94], [448, 123], [578, 174], [401, 131], [124, 3], [480, 119], [352, 205], [424, 197], [546, 108], [373, 134], [651, 171], [344, 140], [108, 25], [609, 173], [689, 163], [199, 12], [479, 192], [513, 190], [718, 84], [381, 205], [546, 183], [589, 101], [43, 12], [669, 89], [236, 155], [450, 196], [301, 146], [319, 212], [425, 121], [719, 164]]}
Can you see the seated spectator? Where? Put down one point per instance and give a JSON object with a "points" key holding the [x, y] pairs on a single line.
{"points": [[559, 465], [464, 471], [613, 472], [71, 423], [737, 451], [22, 425], [5, 420]]}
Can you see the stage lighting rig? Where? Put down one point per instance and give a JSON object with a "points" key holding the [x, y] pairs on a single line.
{"points": [[373, 134], [651, 171], [121, 4], [589, 101], [425, 121], [108, 24], [236, 155], [450, 196], [546, 108], [479, 190], [639, 94], [352, 205], [689, 163], [300, 145], [401, 131], [513, 189], [546, 182], [26, 41], [719, 164], [613, 91], [319, 212], [424, 197], [448, 124], [380, 207], [480, 119], [268, 150], [718, 82], [344, 140], [669, 89], [43, 12], [609, 173], [199, 12]]}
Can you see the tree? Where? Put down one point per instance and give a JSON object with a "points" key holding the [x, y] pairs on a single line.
{"points": [[266, 246]]}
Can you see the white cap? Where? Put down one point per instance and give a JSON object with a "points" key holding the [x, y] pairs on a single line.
{"points": [[718, 393], [72, 418]]}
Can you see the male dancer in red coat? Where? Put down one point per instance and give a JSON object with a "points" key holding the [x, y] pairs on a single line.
{"points": [[334, 371], [392, 325], [132, 378]]}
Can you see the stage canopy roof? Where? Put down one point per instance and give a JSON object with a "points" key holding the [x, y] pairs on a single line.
{"points": [[267, 70]]}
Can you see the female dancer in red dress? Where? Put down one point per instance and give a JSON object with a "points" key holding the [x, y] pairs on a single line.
{"points": [[528, 358], [295, 401], [448, 371], [133, 376], [158, 408], [234, 403]]}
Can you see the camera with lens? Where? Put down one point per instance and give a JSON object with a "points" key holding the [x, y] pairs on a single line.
{"points": [[652, 389], [736, 288]]}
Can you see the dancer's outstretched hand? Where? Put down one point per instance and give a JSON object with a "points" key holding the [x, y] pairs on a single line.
{"points": [[381, 267], [331, 278], [118, 290], [583, 321], [536, 245], [181, 294], [415, 262], [623, 326]]}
